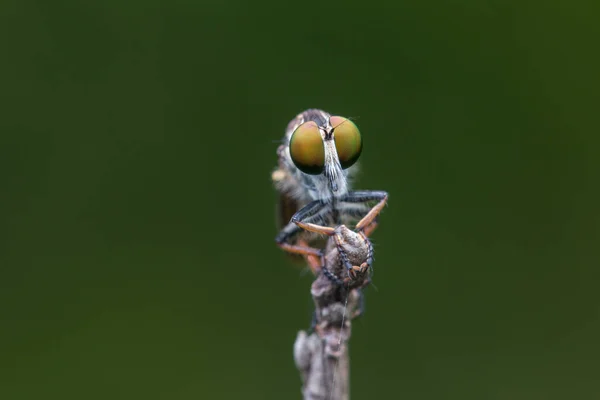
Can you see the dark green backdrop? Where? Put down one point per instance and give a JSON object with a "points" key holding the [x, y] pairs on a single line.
{"points": [[136, 143]]}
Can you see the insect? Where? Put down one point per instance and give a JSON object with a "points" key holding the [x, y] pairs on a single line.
{"points": [[317, 160]]}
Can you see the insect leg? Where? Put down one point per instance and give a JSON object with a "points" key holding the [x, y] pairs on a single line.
{"points": [[324, 230], [329, 275], [314, 258], [285, 236], [364, 196], [361, 304], [368, 230], [369, 260], [302, 249]]}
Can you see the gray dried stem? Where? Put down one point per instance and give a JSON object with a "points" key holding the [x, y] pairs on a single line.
{"points": [[321, 356]]}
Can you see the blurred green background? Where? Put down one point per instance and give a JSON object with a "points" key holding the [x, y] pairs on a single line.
{"points": [[136, 144]]}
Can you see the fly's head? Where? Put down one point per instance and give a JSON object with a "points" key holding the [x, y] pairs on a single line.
{"points": [[318, 154]]}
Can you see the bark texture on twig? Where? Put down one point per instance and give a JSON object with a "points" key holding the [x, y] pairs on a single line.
{"points": [[322, 355]]}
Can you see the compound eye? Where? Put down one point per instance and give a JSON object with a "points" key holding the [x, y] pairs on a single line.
{"points": [[348, 141], [307, 150]]}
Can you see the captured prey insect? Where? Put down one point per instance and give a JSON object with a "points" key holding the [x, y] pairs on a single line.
{"points": [[316, 163]]}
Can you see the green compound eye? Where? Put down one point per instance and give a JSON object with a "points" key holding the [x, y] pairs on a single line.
{"points": [[348, 141], [306, 149]]}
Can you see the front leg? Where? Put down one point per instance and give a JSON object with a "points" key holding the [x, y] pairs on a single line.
{"points": [[291, 230], [363, 197]]}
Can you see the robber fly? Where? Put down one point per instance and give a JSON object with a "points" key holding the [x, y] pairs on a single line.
{"points": [[317, 159]]}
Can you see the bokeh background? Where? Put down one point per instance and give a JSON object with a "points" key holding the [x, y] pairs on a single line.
{"points": [[137, 214]]}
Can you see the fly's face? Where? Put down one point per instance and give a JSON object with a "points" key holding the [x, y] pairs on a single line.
{"points": [[315, 159]]}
